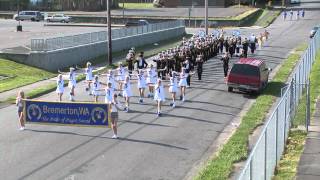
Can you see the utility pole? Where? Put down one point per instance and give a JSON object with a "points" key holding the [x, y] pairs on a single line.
{"points": [[123, 11], [109, 33], [206, 16]]}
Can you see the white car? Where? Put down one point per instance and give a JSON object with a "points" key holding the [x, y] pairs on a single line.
{"points": [[58, 18]]}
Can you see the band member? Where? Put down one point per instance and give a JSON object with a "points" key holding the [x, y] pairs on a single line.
{"points": [[187, 68], [225, 60], [96, 88], [199, 63], [183, 84], [19, 103], [151, 80], [141, 62], [159, 96], [120, 76], [89, 76], [130, 60], [252, 41], [60, 87], [72, 83], [173, 88], [109, 93], [127, 92], [245, 46], [141, 85]]}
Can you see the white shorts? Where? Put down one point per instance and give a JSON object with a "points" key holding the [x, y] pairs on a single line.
{"points": [[89, 77], [72, 84], [183, 82], [127, 93], [142, 85], [60, 91], [159, 97], [173, 89], [95, 93], [120, 78], [151, 80]]}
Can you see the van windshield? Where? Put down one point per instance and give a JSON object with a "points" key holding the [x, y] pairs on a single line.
{"points": [[245, 69]]}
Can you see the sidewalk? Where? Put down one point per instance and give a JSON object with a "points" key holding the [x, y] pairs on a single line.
{"points": [[309, 165]]}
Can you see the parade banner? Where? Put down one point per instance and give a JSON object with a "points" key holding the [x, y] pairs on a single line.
{"points": [[64, 113]]}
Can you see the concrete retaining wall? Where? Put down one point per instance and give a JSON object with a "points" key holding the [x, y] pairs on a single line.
{"points": [[58, 59]]}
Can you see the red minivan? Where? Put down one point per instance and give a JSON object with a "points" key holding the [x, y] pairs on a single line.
{"points": [[248, 75]]}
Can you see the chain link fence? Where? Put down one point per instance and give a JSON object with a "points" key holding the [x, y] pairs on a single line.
{"points": [[50, 44], [270, 145]]}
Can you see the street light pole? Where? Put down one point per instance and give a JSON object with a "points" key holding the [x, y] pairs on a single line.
{"points": [[206, 16], [109, 33]]}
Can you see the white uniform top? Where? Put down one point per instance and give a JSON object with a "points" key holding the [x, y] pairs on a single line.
{"points": [[95, 88], [110, 79], [72, 79], [183, 79], [89, 75], [60, 86], [121, 74], [127, 89], [152, 76], [109, 95], [252, 39], [115, 106], [159, 93], [141, 81], [173, 85]]}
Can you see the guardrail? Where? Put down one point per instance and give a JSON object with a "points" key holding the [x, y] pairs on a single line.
{"points": [[50, 44], [270, 145]]}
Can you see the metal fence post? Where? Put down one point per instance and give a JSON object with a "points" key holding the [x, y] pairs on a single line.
{"points": [[265, 153], [308, 105], [277, 144]]}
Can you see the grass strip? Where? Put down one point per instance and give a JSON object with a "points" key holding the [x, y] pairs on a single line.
{"points": [[287, 168], [136, 5], [20, 75], [267, 17], [236, 149], [148, 51]]}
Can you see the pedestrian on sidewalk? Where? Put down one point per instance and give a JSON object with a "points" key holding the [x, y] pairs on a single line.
{"points": [[20, 104], [284, 15], [302, 13], [60, 87]]}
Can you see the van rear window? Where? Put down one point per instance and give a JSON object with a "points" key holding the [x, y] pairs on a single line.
{"points": [[245, 69]]}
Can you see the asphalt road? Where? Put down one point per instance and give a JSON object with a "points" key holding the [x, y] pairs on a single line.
{"points": [[149, 147]]}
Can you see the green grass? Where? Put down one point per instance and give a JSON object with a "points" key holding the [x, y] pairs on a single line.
{"points": [[266, 19], [148, 51], [287, 168], [235, 149], [136, 5], [263, 18], [20, 75]]}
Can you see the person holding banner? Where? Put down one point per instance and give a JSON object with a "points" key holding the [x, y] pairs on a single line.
{"points": [[19, 103], [89, 76], [60, 87], [114, 106]]}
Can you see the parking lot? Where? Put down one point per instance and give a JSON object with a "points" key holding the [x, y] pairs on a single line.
{"points": [[10, 38]]}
